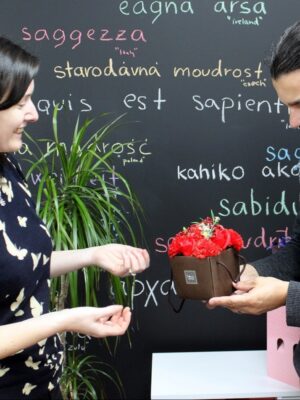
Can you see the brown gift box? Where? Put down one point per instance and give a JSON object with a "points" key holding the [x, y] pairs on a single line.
{"points": [[202, 279]]}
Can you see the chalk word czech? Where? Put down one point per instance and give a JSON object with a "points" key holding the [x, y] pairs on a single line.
{"points": [[219, 71], [109, 70]]}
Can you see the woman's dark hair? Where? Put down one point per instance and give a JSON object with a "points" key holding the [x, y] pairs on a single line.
{"points": [[17, 69], [285, 56]]}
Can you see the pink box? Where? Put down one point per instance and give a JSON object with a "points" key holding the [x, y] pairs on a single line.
{"points": [[281, 340]]}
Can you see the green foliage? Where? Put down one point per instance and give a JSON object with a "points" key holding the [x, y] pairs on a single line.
{"points": [[78, 214], [82, 378]]}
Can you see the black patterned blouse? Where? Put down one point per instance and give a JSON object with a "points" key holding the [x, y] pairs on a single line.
{"points": [[25, 250]]}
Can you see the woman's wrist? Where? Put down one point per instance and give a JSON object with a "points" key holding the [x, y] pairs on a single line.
{"points": [[60, 320], [96, 256]]}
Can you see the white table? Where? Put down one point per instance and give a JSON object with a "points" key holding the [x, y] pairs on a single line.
{"points": [[215, 375]]}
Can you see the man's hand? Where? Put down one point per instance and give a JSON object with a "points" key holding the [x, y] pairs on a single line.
{"points": [[253, 296]]}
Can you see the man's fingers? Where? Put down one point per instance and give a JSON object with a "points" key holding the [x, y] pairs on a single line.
{"points": [[244, 286]]}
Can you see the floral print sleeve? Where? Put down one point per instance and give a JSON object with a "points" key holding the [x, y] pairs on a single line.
{"points": [[25, 251]]}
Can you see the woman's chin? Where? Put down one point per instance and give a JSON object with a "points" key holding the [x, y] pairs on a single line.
{"points": [[16, 144]]}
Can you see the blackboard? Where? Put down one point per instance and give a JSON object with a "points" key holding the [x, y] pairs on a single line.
{"points": [[211, 135]]}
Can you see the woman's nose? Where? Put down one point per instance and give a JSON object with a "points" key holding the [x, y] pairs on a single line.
{"points": [[32, 115]]}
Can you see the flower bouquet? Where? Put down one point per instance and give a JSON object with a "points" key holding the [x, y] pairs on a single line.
{"points": [[205, 260]]}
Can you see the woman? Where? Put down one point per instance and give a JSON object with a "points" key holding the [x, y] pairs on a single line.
{"points": [[30, 350]]}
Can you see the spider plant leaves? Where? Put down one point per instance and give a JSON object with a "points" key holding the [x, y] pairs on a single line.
{"points": [[82, 375], [76, 201], [82, 208]]}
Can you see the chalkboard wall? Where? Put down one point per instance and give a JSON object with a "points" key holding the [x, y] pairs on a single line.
{"points": [[207, 133]]}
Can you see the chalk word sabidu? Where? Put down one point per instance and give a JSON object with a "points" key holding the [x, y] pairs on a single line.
{"points": [[253, 206]]}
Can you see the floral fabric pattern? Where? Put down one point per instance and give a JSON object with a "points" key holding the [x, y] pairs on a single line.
{"points": [[25, 251]]}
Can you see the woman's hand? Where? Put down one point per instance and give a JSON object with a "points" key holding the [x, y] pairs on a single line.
{"points": [[120, 260], [97, 322], [254, 296]]}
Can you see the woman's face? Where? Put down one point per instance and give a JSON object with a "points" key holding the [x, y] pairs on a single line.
{"points": [[14, 119]]}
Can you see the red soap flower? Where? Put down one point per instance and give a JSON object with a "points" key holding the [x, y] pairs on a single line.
{"points": [[204, 239]]}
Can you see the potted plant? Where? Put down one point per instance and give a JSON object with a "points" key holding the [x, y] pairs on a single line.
{"points": [[78, 214]]}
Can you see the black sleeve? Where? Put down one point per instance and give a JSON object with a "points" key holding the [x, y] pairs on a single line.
{"points": [[285, 263]]}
